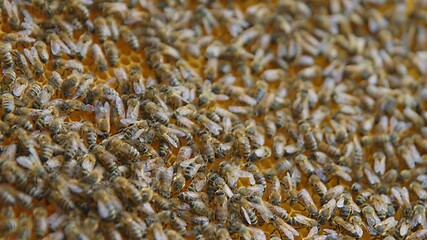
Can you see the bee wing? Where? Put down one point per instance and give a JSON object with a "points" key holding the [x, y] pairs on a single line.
{"points": [[404, 193], [246, 215], [302, 219], [288, 230], [228, 191], [29, 55], [55, 47], [213, 127], [185, 121], [170, 140], [312, 233], [25, 162], [102, 210], [340, 203], [120, 106]]}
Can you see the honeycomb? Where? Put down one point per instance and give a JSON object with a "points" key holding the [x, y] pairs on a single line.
{"points": [[273, 120]]}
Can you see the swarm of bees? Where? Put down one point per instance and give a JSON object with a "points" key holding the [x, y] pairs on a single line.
{"points": [[213, 120]]}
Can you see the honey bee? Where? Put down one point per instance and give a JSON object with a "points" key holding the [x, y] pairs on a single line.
{"points": [[347, 206], [318, 185], [102, 114], [122, 148], [21, 121], [99, 58], [383, 227], [101, 28], [108, 206], [8, 103], [259, 154], [418, 190], [379, 139], [350, 228], [304, 164], [275, 196], [61, 201], [155, 111], [126, 188], [306, 200], [7, 195], [112, 52], [129, 37], [22, 63], [309, 139], [42, 51], [207, 147], [106, 159], [333, 193], [40, 221], [285, 228], [83, 45], [6, 54], [68, 65], [402, 197]]}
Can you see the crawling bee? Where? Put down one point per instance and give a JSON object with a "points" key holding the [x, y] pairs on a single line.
{"points": [[101, 28], [42, 51], [129, 37], [260, 154], [122, 148], [112, 52], [124, 187], [6, 55], [40, 221], [8, 103], [155, 111], [99, 58]]}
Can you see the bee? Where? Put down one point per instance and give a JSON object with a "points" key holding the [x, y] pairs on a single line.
{"points": [[304, 164], [7, 195], [101, 28], [418, 190], [61, 201], [290, 187], [68, 65], [8, 103], [133, 228], [383, 227], [370, 215], [40, 221], [347, 206], [363, 196], [128, 189], [207, 147], [310, 73], [260, 153], [318, 185], [114, 28], [210, 125], [23, 65], [121, 148], [333, 193], [221, 203], [160, 202], [247, 210], [198, 182], [306, 200], [6, 54], [107, 205], [21, 121], [155, 112], [309, 139], [112, 52], [137, 80], [105, 158], [129, 37], [166, 134], [99, 58], [350, 228], [275, 196], [41, 50], [379, 139], [83, 45], [258, 176], [102, 114], [285, 228], [402, 197], [327, 211]]}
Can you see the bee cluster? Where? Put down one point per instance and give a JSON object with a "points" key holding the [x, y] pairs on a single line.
{"points": [[279, 120]]}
